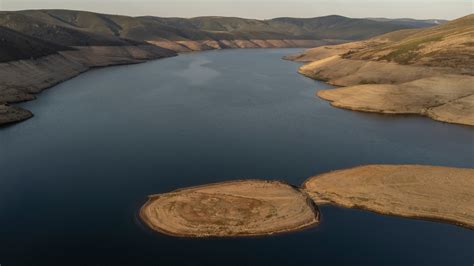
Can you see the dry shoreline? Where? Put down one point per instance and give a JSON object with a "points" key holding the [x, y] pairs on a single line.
{"points": [[233, 217], [434, 193], [23, 79], [389, 88], [414, 217], [427, 72]]}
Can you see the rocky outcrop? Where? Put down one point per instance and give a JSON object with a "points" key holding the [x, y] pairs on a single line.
{"points": [[11, 114]]}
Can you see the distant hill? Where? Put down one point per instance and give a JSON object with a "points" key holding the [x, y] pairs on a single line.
{"points": [[423, 23], [447, 45], [53, 28], [428, 71], [34, 33], [80, 28]]}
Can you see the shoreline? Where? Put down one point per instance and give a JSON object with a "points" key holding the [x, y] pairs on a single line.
{"points": [[385, 112], [423, 113], [401, 72], [349, 100], [391, 214]]}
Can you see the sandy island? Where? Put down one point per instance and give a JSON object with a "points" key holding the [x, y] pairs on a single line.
{"points": [[237, 208], [425, 192]]}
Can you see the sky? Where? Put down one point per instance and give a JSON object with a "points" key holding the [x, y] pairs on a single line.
{"points": [[261, 9]]}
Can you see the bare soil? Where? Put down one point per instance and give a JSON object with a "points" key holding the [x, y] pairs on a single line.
{"points": [[424, 192]]}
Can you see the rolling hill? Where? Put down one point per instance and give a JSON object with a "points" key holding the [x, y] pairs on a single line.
{"points": [[78, 28]]}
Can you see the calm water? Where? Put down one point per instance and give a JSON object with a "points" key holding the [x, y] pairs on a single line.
{"points": [[73, 177]]}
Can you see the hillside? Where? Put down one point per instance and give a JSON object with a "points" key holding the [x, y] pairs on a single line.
{"points": [[53, 29], [17, 46], [417, 71], [447, 45]]}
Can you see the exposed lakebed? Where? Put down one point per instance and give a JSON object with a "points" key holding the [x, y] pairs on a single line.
{"points": [[73, 177]]}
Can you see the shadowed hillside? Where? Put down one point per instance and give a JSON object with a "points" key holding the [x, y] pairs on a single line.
{"points": [[86, 28], [53, 29], [16, 46]]}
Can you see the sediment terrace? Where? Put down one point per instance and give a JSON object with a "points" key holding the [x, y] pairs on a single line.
{"points": [[238, 208], [447, 98]]}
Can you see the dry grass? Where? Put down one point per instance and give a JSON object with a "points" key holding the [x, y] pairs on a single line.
{"points": [[239, 208], [424, 192]]}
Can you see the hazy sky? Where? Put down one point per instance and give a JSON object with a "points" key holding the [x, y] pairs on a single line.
{"points": [[444, 9]]}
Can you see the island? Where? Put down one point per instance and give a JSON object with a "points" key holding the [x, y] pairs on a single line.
{"points": [[424, 192], [230, 209]]}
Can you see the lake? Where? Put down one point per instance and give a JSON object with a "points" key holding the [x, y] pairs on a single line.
{"points": [[73, 178]]}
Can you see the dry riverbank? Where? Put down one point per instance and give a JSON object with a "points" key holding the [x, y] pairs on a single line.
{"points": [[190, 46], [427, 72], [238, 208], [428, 96], [390, 88], [22, 79]]}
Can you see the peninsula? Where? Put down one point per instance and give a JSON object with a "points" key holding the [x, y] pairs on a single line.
{"points": [[428, 72]]}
